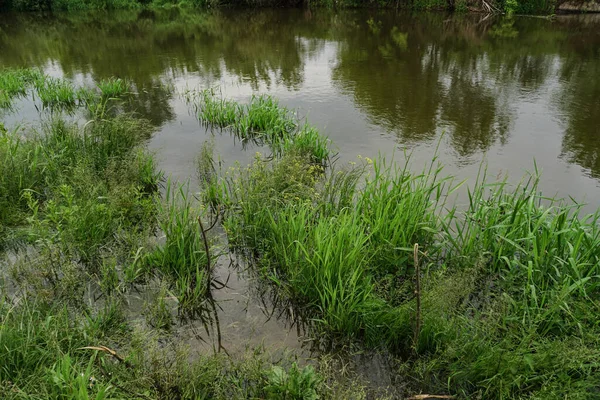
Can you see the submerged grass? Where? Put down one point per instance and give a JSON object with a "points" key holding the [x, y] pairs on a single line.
{"points": [[185, 257], [14, 83], [113, 87]]}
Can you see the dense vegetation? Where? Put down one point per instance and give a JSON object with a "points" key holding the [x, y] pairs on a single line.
{"points": [[493, 299], [80, 213], [492, 6]]}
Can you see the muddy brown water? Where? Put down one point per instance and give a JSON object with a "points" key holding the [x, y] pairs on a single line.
{"points": [[504, 91]]}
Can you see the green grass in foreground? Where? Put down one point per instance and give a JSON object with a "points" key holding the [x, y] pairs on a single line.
{"points": [[48, 352], [509, 282], [79, 213]]}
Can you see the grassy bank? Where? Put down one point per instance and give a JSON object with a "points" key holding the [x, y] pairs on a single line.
{"points": [[461, 6], [83, 229], [495, 298]]}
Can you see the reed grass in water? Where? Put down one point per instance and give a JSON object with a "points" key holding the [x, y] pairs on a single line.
{"points": [[508, 281], [264, 121], [79, 209]]}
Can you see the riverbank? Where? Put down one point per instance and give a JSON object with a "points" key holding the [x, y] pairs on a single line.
{"points": [[545, 7], [494, 298]]}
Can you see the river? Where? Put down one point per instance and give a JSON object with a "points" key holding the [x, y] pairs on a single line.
{"points": [[503, 91]]}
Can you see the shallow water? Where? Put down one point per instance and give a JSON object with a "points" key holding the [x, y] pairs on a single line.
{"points": [[485, 89]]}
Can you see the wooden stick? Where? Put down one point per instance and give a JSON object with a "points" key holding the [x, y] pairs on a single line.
{"points": [[417, 294]]}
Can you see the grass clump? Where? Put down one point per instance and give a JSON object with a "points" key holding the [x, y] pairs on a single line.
{"points": [[58, 93], [184, 258], [54, 92], [14, 83], [76, 181], [113, 87], [264, 121], [320, 239]]}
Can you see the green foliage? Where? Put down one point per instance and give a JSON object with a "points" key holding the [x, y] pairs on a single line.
{"points": [[66, 381], [509, 282], [58, 93], [55, 92], [510, 6], [461, 6], [51, 353], [262, 121], [158, 311], [294, 384], [113, 88], [183, 259], [84, 201], [14, 83]]}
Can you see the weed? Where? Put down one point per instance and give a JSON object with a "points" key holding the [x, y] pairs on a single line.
{"points": [[54, 92], [514, 271], [14, 83], [294, 384], [113, 88], [158, 312], [262, 120], [183, 259]]}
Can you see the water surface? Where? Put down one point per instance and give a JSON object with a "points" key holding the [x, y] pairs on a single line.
{"points": [[507, 91]]}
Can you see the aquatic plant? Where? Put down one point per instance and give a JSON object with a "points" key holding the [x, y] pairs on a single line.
{"points": [[15, 82], [113, 87], [55, 92], [511, 270], [49, 352], [184, 258], [263, 121], [295, 384]]}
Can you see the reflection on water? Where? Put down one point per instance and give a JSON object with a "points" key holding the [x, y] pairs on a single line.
{"points": [[516, 89]]}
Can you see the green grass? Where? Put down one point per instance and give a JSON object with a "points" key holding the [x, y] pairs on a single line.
{"points": [[508, 281], [113, 88], [79, 209], [58, 93], [47, 352], [54, 92], [183, 259], [14, 83], [262, 121]]}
